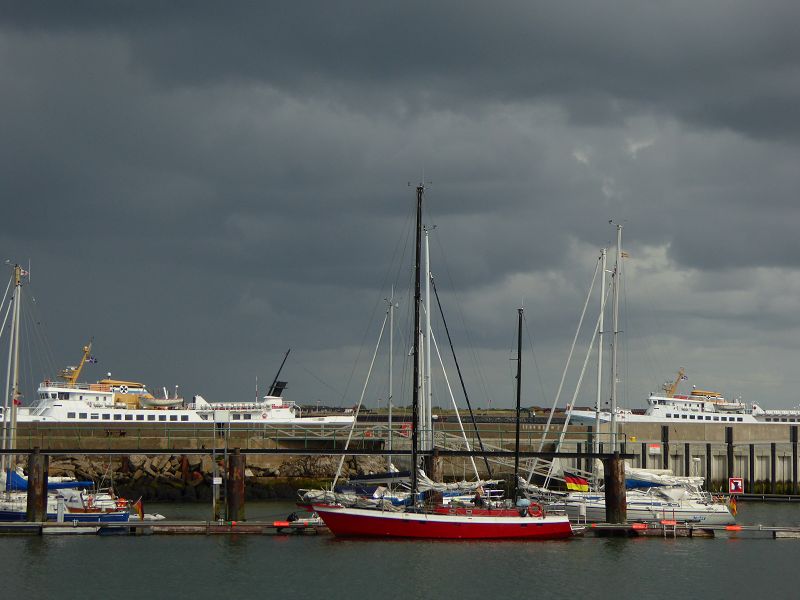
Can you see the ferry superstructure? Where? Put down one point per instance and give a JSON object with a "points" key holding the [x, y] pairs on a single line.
{"points": [[699, 406], [127, 403]]}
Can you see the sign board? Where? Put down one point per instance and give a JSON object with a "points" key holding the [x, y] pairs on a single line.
{"points": [[217, 481], [653, 449], [735, 485]]}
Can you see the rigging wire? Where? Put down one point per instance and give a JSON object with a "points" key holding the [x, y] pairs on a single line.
{"points": [[533, 354], [470, 345]]}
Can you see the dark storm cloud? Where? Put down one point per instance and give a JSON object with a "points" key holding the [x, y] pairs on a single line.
{"points": [[728, 65], [201, 186]]}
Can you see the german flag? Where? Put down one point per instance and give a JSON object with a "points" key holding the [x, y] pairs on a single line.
{"points": [[137, 506], [575, 483]]}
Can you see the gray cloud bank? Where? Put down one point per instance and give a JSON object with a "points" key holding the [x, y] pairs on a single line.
{"points": [[200, 187]]}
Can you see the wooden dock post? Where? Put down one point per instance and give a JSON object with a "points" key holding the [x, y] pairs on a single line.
{"points": [[433, 466], [38, 467], [234, 487], [665, 446], [644, 455], [616, 504], [709, 466]]}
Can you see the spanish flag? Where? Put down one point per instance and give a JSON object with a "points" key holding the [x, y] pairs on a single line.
{"points": [[575, 483]]}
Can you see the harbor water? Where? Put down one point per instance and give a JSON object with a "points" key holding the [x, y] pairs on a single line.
{"points": [[321, 566]]}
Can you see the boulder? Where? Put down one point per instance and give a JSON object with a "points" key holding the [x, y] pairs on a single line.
{"points": [[137, 460]]}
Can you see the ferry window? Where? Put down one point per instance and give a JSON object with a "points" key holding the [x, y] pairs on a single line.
{"points": [[783, 420], [95, 416], [248, 416], [683, 416], [118, 417], [82, 415], [691, 416], [70, 415], [184, 417], [173, 417], [80, 397], [237, 416], [151, 417], [738, 418], [708, 418], [162, 417], [62, 396], [129, 417], [140, 417], [716, 418], [669, 416], [53, 395], [106, 417]]}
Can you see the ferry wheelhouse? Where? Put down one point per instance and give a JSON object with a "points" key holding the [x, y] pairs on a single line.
{"points": [[699, 406]]}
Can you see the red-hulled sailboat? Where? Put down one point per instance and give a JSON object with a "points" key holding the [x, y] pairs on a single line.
{"points": [[442, 522]]}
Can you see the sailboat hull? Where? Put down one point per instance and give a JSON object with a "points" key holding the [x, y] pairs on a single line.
{"points": [[355, 522]]}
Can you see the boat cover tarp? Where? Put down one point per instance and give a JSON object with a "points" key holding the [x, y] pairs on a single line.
{"points": [[16, 482]]}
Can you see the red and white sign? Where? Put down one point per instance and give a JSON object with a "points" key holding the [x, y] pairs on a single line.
{"points": [[653, 449], [735, 485]]}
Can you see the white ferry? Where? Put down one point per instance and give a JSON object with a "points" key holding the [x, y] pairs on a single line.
{"points": [[699, 406], [118, 402]]}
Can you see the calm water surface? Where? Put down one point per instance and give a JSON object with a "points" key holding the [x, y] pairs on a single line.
{"points": [[196, 567]]}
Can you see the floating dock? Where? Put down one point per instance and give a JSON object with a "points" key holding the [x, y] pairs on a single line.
{"points": [[299, 527]]}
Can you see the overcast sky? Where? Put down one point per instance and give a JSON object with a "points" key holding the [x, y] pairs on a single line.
{"points": [[200, 186]]}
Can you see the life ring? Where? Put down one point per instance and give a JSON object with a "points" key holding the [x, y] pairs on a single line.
{"points": [[535, 510], [123, 389], [122, 503], [263, 415], [368, 433]]}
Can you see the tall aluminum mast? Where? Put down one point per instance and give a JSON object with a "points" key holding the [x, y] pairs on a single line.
{"points": [[428, 388], [596, 445], [391, 374], [617, 283]]}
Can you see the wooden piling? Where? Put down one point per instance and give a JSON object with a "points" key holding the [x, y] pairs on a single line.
{"points": [[433, 466], [38, 467], [616, 505], [234, 487], [665, 446], [752, 474], [644, 455], [709, 466]]}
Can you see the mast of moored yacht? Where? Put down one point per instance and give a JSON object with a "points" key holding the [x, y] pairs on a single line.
{"points": [[596, 445], [391, 375], [519, 396], [617, 283], [427, 431], [416, 334], [12, 373]]}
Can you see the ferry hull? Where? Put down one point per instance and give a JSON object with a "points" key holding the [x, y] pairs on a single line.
{"points": [[352, 522]]}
